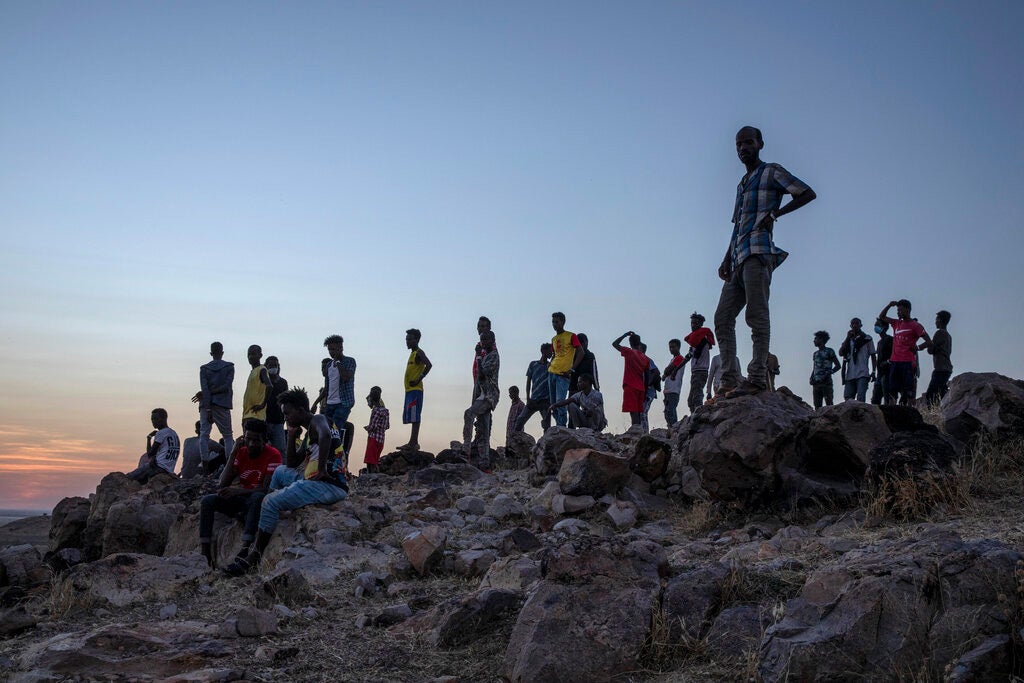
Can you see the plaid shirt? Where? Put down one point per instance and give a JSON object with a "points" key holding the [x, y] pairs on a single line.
{"points": [[756, 195], [380, 420]]}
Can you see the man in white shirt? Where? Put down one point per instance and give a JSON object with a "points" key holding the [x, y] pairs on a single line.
{"points": [[162, 448], [586, 407]]}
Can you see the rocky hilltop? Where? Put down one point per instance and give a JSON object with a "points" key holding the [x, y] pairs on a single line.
{"points": [[756, 540]]}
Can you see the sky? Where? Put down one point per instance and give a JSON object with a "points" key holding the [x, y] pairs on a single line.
{"points": [[272, 173]]}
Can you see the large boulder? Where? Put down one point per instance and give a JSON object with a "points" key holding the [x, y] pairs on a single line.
{"points": [[70, 517], [911, 454], [651, 456], [127, 578], [402, 462], [586, 472], [589, 618], [134, 526], [910, 605], [984, 404], [519, 450], [557, 440], [22, 565], [114, 488], [736, 445], [833, 452]]}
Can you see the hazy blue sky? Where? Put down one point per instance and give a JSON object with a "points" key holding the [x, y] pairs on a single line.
{"points": [[175, 173]]}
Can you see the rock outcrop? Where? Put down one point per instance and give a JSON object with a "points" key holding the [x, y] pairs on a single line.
{"points": [[984, 404]]}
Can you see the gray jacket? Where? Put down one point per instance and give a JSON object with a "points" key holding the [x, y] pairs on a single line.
{"points": [[215, 380]]}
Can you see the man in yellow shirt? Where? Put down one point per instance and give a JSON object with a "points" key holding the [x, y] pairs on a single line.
{"points": [[415, 370], [257, 387], [567, 356]]}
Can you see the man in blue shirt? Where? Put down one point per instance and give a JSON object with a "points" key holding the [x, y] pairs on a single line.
{"points": [[750, 259]]}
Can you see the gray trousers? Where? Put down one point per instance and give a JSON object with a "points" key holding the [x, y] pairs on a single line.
{"points": [[215, 415], [478, 414], [749, 287], [698, 380], [578, 418]]}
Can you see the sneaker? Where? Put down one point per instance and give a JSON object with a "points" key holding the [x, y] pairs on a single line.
{"points": [[239, 567], [722, 392]]}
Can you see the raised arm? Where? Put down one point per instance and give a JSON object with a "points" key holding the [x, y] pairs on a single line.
{"points": [[617, 344]]}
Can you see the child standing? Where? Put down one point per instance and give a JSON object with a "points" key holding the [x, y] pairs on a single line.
{"points": [[825, 364], [380, 421]]}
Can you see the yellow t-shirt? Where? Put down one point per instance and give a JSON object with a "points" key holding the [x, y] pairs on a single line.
{"points": [[413, 370], [565, 345], [255, 393]]}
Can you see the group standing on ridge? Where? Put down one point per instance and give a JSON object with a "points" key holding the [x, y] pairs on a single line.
{"points": [[293, 453]]}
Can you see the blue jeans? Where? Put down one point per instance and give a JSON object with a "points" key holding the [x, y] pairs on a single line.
{"points": [[671, 404], [277, 436], [283, 477], [558, 389], [296, 495], [214, 415], [856, 388]]}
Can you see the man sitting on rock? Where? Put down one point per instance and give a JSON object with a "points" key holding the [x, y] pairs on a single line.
{"points": [[162, 447], [586, 407], [323, 476], [243, 484]]}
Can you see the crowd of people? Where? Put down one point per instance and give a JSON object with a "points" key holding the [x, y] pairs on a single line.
{"points": [[295, 453]]}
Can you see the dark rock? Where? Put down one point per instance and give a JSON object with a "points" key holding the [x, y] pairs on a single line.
{"points": [[438, 475], [905, 419], [737, 630], [984, 404], [465, 619], [22, 565], [692, 599], [126, 578], [650, 458], [519, 448], [252, 623], [587, 472], [557, 440], [70, 518], [392, 614], [518, 540], [904, 605], [14, 620], [287, 586], [402, 462], [992, 660], [911, 454]]}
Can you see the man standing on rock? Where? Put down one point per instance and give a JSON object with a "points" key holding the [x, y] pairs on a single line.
{"points": [[275, 418], [416, 369], [323, 479], [903, 362], [824, 364], [339, 393], [634, 385], [586, 366], [479, 413], [243, 484], [673, 378], [880, 393], [257, 387], [700, 340], [751, 259], [538, 399], [857, 350], [941, 349], [568, 355], [214, 398]]}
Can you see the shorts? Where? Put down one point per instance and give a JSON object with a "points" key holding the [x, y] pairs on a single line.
{"points": [[413, 409], [901, 376], [633, 400], [373, 450]]}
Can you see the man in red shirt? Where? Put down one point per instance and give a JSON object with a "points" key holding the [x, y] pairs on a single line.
{"points": [[244, 482], [902, 364], [634, 386]]}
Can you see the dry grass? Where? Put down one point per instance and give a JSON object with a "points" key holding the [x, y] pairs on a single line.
{"points": [[699, 519], [926, 496]]}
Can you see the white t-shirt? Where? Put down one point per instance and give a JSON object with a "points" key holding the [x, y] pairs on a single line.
{"points": [[167, 454], [674, 386]]}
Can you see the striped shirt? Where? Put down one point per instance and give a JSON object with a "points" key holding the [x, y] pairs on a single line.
{"points": [[758, 193]]}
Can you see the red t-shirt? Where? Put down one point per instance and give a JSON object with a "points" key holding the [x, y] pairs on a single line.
{"points": [[636, 365], [253, 471], [905, 334]]}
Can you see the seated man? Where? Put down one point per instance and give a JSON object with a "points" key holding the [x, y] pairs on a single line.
{"points": [[323, 479], [162, 447], [586, 406], [243, 484], [191, 455]]}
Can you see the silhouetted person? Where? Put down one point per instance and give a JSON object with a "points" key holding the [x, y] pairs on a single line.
{"points": [[634, 384], [673, 377], [883, 352], [514, 411], [700, 340], [416, 368], [652, 380], [243, 483], [857, 351], [567, 356], [339, 392], [257, 387], [275, 418], [380, 422], [903, 362], [941, 350], [751, 259], [192, 458], [538, 399], [824, 364], [162, 448], [586, 366], [480, 412], [214, 398]]}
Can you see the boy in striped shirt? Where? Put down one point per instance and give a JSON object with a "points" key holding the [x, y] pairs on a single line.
{"points": [[380, 421]]}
